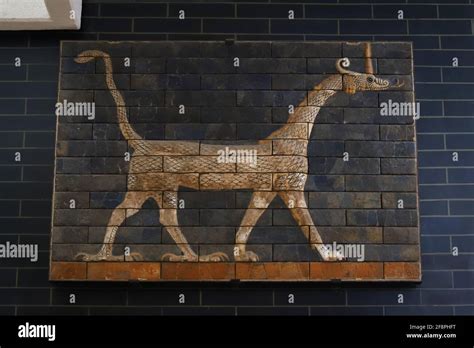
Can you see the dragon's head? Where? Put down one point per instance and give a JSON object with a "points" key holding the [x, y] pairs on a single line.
{"points": [[353, 82]]}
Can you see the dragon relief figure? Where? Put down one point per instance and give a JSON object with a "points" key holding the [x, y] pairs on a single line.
{"points": [[158, 168]]}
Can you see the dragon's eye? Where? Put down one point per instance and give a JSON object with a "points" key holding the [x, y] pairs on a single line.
{"points": [[370, 79]]}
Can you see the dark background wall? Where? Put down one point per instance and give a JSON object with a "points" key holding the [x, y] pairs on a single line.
{"points": [[440, 31]]}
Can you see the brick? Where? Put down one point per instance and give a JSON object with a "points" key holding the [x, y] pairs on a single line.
{"points": [[327, 165], [400, 235], [390, 200], [435, 244], [128, 235], [70, 234], [325, 183], [279, 26], [62, 199], [398, 166], [235, 26], [272, 311], [241, 81], [440, 27], [166, 48], [459, 175], [347, 311], [152, 115], [373, 27], [379, 49], [241, 49], [200, 98], [420, 310], [17, 296], [458, 141], [310, 297], [344, 200], [349, 132], [451, 296], [109, 165], [242, 297], [392, 252], [461, 207], [350, 234], [206, 235], [294, 253], [430, 141], [106, 24], [90, 182], [397, 133], [409, 11], [198, 311], [198, 271], [385, 217], [306, 49], [432, 176], [272, 271], [141, 271], [73, 165], [68, 271], [83, 217], [125, 10], [8, 278], [91, 148], [325, 148], [379, 297], [272, 65], [402, 270], [167, 25], [337, 11], [235, 115], [268, 11], [89, 297], [380, 148], [434, 208], [9, 173], [447, 262], [383, 183], [218, 217], [445, 158], [346, 270], [278, 234], [74, 131], [200, 66]]}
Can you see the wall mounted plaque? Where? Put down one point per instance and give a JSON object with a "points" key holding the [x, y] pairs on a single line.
{"points": [[282, 161]]}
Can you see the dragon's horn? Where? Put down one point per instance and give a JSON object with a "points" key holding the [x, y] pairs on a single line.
{"points": [[369, 69]]}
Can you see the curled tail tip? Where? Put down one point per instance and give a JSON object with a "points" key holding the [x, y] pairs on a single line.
{"points": [[87, 56]]}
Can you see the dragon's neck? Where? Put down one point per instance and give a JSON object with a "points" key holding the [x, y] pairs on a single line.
{"points": [[300, 123]]}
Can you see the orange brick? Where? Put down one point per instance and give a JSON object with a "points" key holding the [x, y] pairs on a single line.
{"points": [[272, 271], [67, 271], [346, 270], [402, 270], [123, 271], [198, 271]]}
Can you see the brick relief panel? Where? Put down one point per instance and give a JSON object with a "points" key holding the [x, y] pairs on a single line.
{"points": [[235, 160]]}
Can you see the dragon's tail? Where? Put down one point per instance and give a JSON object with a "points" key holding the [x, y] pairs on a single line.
{"points": [[127, 131]]}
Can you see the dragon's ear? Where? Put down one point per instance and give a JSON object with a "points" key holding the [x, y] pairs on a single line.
{"points": [[350, 89], [349, 85]]}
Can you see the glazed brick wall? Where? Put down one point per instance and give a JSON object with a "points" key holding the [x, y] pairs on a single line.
{"points": [[351, 202], [440, 31]]}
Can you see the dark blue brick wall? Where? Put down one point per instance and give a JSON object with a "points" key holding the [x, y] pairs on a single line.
{"points": [[440, 30]]}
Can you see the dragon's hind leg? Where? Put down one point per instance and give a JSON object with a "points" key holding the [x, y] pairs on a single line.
{"points": [[132, 200]]}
